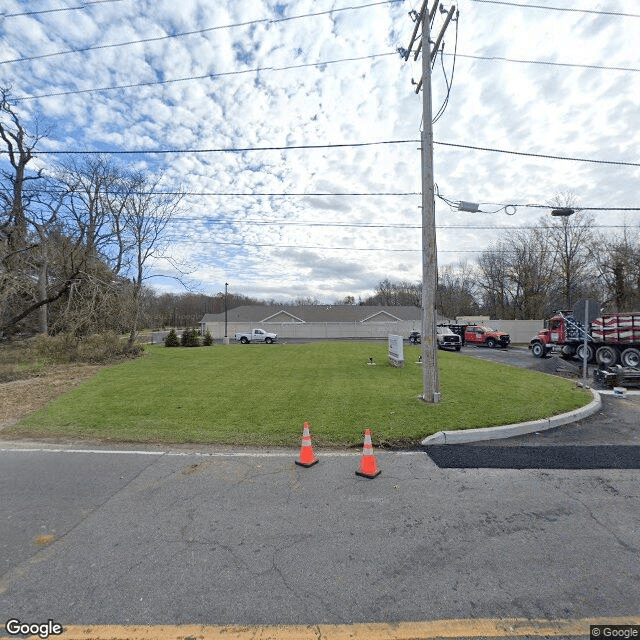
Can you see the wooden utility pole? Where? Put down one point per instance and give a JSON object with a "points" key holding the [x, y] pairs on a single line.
{"points": [[430, 376]]}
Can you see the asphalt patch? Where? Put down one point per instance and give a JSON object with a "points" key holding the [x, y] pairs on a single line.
{"points": [[465, 456]]}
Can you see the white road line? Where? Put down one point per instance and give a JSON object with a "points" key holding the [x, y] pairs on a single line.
{"points": [[212, 454]]}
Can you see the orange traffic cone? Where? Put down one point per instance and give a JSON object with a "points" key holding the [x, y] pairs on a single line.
{"points": [[307, 459], [368, 467]]}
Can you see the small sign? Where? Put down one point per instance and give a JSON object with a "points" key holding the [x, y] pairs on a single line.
{"points": [[586, 311], [396, 351]]}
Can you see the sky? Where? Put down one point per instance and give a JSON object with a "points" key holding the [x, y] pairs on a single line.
{"points": [[333, 206]]}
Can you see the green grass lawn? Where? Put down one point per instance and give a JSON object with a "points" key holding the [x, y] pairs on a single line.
{"points": [[262, 395]]}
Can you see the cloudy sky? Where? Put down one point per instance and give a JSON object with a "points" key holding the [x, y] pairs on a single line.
{"points": [[333, 206]]}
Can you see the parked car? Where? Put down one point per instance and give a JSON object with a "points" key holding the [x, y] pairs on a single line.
{"points": [[257, 335], [447, 339], [480, 335], [415, 337]]}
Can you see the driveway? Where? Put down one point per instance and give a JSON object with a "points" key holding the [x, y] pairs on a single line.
{"points": [[608, 439]]}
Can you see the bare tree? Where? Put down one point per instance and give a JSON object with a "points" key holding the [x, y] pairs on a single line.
{"points": [[617, 263], [20, 148], [456, 293], [148, 211], [571, 237], [517, 274], [492, 281], [23, 242]]}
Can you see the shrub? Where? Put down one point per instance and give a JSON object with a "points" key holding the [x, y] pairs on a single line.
{"points": [[96, 349], [190, 338], [172, 339], [208, 339]]}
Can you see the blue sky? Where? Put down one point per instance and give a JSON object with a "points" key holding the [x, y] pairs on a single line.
{"points": [[531, 80]]}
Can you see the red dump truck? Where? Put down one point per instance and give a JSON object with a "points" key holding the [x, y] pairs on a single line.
{"points": [[611, 339]]}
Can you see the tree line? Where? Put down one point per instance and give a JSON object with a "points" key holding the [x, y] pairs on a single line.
{"points": [[77, 239], [531, 272]]}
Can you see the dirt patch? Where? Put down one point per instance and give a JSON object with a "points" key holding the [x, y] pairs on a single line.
{"points": [[22, 397]]}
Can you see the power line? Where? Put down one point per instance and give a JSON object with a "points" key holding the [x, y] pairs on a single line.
{"points": [[204, 77], [221, 149], [537, 155], [85, 5], [545, 63], [303, 194], [372, 56], [365, 225], [563, 9], [332, 146], [198, 31], [324, 248], [245, 193]]}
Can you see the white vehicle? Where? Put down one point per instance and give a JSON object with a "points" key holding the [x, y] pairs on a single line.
{"points": [[447, 339], [257, 335]]}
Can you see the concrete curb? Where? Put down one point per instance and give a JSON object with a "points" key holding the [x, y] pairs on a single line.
{"points": [[519, 429]]}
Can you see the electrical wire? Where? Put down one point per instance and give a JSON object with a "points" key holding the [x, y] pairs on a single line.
{"points": [[197, 31], [321, 247], [361, 225], [537, 155], [448, 82], [371, 56], [545, 63], [453, 204], [219, 149], [564, 9], [208, 76], [85, 5], [328, 146]]}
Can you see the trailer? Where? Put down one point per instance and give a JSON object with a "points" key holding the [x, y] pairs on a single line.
{"points": [[617, 376]]}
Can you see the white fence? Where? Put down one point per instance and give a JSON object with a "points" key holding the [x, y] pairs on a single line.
{"points": [[521, 331], [317, 330]]}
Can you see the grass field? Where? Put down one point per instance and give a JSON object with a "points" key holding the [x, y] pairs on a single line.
{"points": [[262, 395]]}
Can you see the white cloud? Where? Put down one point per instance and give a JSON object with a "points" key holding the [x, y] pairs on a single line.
{"points": [[543, 109]]}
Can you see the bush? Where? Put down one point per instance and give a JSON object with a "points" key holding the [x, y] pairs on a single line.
{"points": [[190, 338], [172, 339], [99, 348], [208, 339]]}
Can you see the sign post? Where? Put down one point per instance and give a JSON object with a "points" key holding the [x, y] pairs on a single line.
{"points": [[585, 311]]}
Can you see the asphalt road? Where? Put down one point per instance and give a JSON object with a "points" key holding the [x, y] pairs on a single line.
{"points": [[219, 538]]}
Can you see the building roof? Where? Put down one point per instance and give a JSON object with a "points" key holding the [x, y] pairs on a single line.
{"points": [[316, 313]]}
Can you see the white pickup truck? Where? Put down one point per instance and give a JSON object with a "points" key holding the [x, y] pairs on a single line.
{"points": [[257, 335]]}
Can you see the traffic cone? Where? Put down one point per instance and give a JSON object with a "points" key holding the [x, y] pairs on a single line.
{"points": [[368, 467], [307, 459]]}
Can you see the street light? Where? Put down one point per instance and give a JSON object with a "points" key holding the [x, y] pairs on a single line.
{"points": [[563, 212]]}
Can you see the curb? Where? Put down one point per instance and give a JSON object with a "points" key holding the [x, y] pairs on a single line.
{"points": [[518, 429]]}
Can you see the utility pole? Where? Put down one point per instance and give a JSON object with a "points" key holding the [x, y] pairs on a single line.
{"points": [[430, 376], [226, 337]]}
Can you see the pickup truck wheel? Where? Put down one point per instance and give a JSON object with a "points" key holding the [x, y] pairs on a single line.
{"points": [[458, 348], [243, 340], [538, 350], [491, 343], [268, 340]]}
